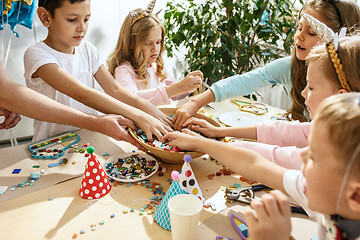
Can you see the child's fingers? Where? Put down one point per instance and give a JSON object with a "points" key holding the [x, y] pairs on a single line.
{"points": [[199, 73], [194, 121], [12, 120], [168, 129], [179, 122], [170, 136], [250, 217], [283, 202], [260, 210], [127, 122], [200, 129], [168, 122], [187, 131], [271, 205]]}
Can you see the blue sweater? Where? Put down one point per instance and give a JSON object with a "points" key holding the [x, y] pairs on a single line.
{"points": [[278, 71]]}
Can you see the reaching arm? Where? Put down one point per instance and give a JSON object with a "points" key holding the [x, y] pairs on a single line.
{"points": [[38, 106], [192, 81], [112, 87], [209, 130], [190, 108], [59, 79], [278, 71], [247, 163]]}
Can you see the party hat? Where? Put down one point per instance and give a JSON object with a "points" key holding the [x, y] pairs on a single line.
{"points": [[95, 183], [162, 215], [187, 179]]}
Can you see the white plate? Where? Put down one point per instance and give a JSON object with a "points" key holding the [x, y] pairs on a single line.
{"points": [[125, 155], [238, 118]]}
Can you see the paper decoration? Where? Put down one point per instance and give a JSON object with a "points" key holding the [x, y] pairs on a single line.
{"points": [[188, 181], [95, 183], [162, 215]]}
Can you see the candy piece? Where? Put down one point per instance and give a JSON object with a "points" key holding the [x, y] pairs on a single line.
{"points": [[50, 165], [16, 171]]}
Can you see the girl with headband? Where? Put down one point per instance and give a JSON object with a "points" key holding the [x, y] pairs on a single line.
{"points": [[288, 71], [137, 63], [332, 69]]}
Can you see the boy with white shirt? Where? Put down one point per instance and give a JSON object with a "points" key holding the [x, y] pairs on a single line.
{"points": [[64, 68]]}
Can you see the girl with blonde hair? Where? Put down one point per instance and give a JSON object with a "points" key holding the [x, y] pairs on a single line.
{"points": [[137, 63]]}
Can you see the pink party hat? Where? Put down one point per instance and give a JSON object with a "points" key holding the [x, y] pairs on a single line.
{"points": [[188, 181], [162, 215], [95, 183]]}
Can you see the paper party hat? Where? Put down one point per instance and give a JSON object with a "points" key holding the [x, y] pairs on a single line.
{"points": [[162, 215], [95, 183], [188, 181]]}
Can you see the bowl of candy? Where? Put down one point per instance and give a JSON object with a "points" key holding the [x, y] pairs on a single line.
{"points": [[167, 153]]}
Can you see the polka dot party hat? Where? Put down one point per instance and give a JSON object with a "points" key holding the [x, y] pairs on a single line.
{"points": [[162, 215], [95, 183], [188, 181]]}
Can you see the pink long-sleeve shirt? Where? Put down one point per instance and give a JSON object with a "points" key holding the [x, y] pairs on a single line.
{"points": [[279, 142], [154, 91]]}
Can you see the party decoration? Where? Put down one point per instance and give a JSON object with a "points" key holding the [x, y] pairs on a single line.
{"points": [[17, 12], [147, 13], [188, 181], [95, 183], [162, 215]]}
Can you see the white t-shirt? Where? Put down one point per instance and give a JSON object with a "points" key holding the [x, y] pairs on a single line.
{"points": [[293, 181], [82, 65]]}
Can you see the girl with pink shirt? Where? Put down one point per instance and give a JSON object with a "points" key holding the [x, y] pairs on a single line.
{"points": [[137, 62]]}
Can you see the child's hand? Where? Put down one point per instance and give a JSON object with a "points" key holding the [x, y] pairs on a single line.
{"points": [[11, 119], [184, 113], [202, 126], [152, 126], [184, 140], [192, 81], [116, 126], [271, 219], [157, 113]]}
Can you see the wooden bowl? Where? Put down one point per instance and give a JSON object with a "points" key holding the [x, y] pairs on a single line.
{"points": [[167, 156]]}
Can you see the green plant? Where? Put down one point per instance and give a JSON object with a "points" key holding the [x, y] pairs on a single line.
{"points": [[227, 37]]}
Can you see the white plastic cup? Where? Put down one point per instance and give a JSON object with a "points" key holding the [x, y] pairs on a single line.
{"points": [[185, 212]]}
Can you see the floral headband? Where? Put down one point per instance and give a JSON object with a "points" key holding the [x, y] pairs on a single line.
{"points": [[332, 43], [135, 17]]}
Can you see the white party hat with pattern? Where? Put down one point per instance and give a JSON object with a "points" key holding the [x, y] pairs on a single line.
{"points": [[162, 215], [188, 181], [95, 183]]}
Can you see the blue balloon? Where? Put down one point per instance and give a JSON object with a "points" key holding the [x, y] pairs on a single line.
{"points": [[20, 13]]}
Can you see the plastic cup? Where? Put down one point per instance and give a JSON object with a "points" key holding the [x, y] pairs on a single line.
{"points": [[184, 216]]}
